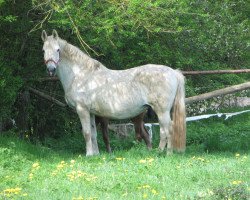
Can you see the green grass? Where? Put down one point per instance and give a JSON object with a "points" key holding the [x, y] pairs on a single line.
{"points": [[206, 171]]}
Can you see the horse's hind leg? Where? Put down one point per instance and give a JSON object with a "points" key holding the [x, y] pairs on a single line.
{"points": [[141, 131], [165, 132], [104, 127]]}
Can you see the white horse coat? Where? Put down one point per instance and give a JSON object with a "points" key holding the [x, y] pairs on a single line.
{"points": [[92, 89]]}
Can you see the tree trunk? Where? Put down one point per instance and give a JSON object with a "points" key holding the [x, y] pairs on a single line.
{"points": [[23, 113]]}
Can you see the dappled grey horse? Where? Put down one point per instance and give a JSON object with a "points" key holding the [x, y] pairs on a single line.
{"points": [[92, 89]]}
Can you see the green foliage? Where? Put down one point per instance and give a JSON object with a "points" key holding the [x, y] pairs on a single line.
{"points": [[189, 35], [9, 87], [218, 134]]}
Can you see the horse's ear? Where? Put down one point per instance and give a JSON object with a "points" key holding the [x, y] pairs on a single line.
{"points": [[55, 34], [44, 35]]}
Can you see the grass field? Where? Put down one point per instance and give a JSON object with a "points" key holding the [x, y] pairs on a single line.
{"points": [[208, 169]]}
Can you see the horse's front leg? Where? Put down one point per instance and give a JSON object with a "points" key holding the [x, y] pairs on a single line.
{"points": [[94, 134], [84, 116]]}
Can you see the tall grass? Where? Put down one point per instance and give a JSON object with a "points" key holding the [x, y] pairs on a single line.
{"points": [[215, 166]]}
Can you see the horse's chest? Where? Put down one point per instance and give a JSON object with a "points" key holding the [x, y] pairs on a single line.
{"points": [[71, 102]]}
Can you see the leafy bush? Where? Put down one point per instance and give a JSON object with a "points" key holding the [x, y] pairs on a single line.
{"points": [[218, 134]]}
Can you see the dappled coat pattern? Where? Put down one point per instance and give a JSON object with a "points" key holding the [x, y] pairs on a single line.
{"points": [[92, 89]]}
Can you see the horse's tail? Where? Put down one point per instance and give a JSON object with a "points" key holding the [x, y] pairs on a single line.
{"points": [[179, 116]]}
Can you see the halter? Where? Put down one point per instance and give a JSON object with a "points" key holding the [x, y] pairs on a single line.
{"points": [[51, 60]]}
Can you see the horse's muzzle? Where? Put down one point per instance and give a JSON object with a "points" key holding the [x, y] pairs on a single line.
{"points": [[51, 70]]}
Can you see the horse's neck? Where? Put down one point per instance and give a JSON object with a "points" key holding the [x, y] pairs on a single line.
{"points": [[65, 74], [75, 65]]}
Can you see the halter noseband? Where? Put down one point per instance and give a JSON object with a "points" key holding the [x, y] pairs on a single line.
{"points": [[51, 60]]}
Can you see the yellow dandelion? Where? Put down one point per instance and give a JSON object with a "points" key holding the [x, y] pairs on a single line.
{"points": [[236, 182], [31, 176], [12, 191], [54, 173], [120, 158], [77, 198], [154, 192], [146, 186], [237, 155], [142, 161], [145, 196], [150, 160], [35, 165], [124, 194], [88, 179], [201, 159]]}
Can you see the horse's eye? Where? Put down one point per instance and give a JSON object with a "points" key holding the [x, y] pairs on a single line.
{"points": [[58, 50]]}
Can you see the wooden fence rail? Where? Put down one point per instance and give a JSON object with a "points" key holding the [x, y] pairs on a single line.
{"points": [[215, 93], [189, 100], [216, 72], [184, 72]]}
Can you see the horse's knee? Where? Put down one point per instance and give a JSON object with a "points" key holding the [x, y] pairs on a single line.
{"points": [[87, 136]]}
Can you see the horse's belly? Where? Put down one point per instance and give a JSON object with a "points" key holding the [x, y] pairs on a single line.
{"points": [[119, 101], [118, 113]]}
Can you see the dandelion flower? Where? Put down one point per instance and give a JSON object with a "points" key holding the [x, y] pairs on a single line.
{"points": [[142, 161], [11, 191], [125, 194], [154, 192], [150, 160], [236, 182], [120, 158], [36, 165]]}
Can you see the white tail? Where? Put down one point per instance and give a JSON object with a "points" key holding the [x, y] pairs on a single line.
{"points": [[179, 117]]}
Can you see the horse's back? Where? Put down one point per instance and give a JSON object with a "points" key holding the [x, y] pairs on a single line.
{"points": [[161, 83]]}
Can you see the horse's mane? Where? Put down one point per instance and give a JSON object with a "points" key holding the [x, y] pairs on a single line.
{"points": [[75, 54]]}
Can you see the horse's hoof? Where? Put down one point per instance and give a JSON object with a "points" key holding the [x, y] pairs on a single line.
{"points": [[91, 153], [149, 147], [169, 152]]}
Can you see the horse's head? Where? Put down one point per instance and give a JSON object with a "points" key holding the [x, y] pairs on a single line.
{"points": [[51, 51]]}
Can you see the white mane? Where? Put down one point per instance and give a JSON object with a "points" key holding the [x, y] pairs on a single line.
{"points": [[75, 54]]}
